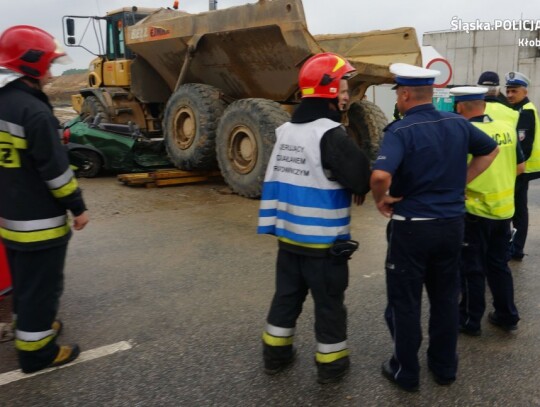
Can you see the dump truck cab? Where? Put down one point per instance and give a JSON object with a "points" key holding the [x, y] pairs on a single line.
{"points": [[109, 50], [113, 68], [110, 71]]}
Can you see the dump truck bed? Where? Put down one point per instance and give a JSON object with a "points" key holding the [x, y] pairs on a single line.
{"points": [[254, 50]]}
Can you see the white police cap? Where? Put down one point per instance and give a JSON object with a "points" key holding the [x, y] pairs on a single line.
{"points": [[465, 93], [411, 75], [514, 79]]}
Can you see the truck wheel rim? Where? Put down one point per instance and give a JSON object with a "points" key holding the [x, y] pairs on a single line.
{"points": [[185, 128], [243, 150]]}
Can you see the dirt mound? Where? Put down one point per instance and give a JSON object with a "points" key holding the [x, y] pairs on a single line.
{"points": [[60, 90], [62, 87]]}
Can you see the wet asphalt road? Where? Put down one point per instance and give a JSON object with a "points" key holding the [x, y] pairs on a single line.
{"points": [[181, 274]]}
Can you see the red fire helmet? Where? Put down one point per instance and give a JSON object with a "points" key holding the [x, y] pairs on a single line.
{"points": [[320, 75], [30, 51]]}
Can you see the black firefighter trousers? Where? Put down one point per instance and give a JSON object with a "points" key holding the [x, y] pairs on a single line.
{"points": [[327, 278], [38, 280]]}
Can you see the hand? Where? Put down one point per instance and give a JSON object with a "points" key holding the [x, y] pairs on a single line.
{"points": [[79, 222], [385, 205], [359, 199]]}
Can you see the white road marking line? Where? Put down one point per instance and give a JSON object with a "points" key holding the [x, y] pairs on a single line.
{"points": [[85, 356]]}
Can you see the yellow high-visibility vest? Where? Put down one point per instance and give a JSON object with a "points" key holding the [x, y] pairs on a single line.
{"points": [[533, 163], [491, 194], [499, 112]]}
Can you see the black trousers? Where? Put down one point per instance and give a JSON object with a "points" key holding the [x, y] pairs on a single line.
{"points": [[484, 256], [327, 278], [421, 253], [520, 220], [38, 281]]}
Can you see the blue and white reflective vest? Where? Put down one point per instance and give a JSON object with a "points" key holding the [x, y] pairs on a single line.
{"points": [[299, 203]]}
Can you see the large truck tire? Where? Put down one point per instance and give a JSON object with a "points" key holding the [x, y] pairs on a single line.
{"points": [[190, 123], [246, 136], [91, 107], [366, 124]]}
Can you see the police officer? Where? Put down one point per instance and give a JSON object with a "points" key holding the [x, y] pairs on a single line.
{"points": [[529, 138], [37, 188], [497, 106], [306, 202], [490, 206], [418, 181]]}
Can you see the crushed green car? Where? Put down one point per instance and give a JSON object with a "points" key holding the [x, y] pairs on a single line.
{"points": [[95, 147]]}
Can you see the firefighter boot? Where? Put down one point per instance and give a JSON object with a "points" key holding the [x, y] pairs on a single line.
{"points": [[278, 358], [57, 326], [333, 372], [65, 355]]}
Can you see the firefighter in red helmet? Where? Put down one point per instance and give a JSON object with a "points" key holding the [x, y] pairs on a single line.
{"points": [[38, 190], [314, 169]]}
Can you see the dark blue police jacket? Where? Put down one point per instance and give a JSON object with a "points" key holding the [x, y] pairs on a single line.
{"points": [[426, 154]]}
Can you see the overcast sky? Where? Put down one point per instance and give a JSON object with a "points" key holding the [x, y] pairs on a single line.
{"points": [[323, 16]]}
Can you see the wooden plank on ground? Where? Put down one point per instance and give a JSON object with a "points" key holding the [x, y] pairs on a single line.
{"points": [[178, 181], [133, 177], [165, 174], [166, 177], [139, 181]]}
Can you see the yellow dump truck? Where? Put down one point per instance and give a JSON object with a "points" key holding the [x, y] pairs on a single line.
{"points": [[216, 84]]}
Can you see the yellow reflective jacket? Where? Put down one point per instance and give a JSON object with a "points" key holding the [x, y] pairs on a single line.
{"points": [[533, 163], [499, 112], [491, 194]]}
